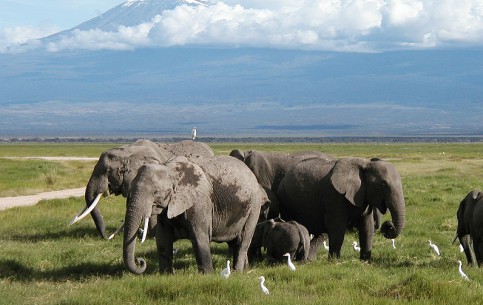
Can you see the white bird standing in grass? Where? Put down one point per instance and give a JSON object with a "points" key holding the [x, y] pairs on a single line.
{"points": [[460, 269], [325, 246], [262, 285], [193, 133], [289, 262], [435, 248], [225, 273], [356, 248], [393, 243]]}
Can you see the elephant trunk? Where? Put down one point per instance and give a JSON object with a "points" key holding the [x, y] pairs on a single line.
{"points": [[95, 187], [397, 208], [137, 211]]}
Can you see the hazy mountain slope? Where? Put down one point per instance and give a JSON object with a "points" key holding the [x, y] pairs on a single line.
{"points": [[245, 90]]}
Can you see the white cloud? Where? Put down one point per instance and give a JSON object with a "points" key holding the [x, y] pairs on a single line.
{"points": [[336, 25], [13, 36]]}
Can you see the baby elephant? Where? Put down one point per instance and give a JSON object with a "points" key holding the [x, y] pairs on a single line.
{"points": [[280, 237]]}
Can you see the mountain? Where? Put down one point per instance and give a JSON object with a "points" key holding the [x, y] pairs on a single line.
{"points": [[129, 13], [159, 91], [235, 91]]}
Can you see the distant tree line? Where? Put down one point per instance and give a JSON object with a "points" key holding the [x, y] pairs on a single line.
{"points": [[345, 139]]}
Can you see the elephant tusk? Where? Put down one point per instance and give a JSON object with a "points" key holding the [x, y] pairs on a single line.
{"points": [[117, 231], [86, 211], [145, 229]]}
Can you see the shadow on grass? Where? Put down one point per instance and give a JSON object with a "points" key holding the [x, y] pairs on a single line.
{"points": [[76, 233], [15, 271]]}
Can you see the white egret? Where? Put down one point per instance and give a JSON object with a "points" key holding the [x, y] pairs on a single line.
{"points": [[193, 133], [460, 269], [393, 243], [289, 262], [435, 248], [325, 246], [225, 273], [356, 247], [262, 285]]}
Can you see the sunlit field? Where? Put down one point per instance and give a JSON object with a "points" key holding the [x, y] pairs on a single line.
{"points": [[43, 261]]}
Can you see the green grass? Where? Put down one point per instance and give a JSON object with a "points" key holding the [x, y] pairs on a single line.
{"points": [[23, 177], [42, 261]]}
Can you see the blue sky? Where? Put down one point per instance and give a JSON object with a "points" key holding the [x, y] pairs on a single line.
{"points": [[332, 25], [50, 13]]}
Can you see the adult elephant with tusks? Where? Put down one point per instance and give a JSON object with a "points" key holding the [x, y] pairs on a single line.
{"points": [[201, 199], [117, 167], [325, 196], [470, 227]]}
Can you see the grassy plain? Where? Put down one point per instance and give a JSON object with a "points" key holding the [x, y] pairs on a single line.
{"points": [[42, 261]]}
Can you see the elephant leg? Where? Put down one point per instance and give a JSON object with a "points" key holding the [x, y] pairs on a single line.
{"points": [[153, 220], [315, 244], [366, 235], [246, 236], [478, 247], [164, 245], [465, 241], [336, 234], [336, 219], [234, 249], [201, 247]]}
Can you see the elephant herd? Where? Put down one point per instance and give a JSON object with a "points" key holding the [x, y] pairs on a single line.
{"points": [[285, 203]]}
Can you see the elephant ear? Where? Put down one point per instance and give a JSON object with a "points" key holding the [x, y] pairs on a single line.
{"points": [[346, 179], [190, 185]]}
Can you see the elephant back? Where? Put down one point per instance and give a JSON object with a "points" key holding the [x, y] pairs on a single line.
{"points": [[190, 149]]}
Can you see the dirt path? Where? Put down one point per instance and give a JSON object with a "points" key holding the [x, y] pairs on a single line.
{"points": [[28, 200], [55, 158]]}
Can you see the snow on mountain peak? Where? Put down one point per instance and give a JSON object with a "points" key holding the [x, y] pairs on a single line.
{"points": [[129, 3]]}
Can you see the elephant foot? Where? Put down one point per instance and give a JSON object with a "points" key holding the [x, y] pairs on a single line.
{"points": [[365, 256]]}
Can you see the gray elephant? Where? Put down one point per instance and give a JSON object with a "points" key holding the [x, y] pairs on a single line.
{"points": [[470, 226], [325, 196], [117, 167], [279, 237], [270, 168], [201, 199]]}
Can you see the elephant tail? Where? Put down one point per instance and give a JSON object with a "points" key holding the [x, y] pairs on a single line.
{"points": [[304, 245]]}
